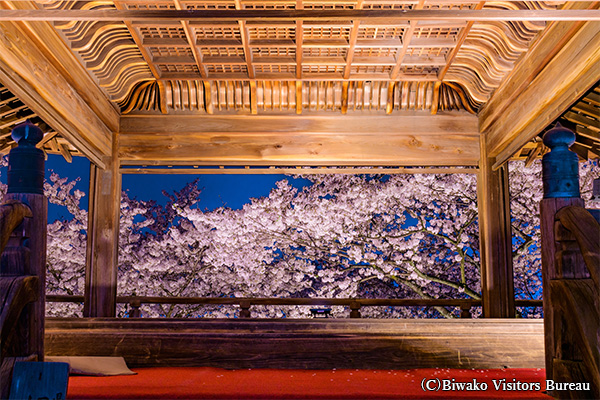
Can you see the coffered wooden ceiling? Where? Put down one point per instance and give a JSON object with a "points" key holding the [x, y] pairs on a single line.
{"points": [[260, 65], [126, 63]]}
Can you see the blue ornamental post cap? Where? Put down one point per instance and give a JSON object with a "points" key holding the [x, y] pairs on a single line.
{"points": [[27, 134], [26, 162], [559, 137], [560, 167]]}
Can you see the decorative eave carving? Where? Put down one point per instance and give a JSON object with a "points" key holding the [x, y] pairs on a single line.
{"points": [[193, 96]]}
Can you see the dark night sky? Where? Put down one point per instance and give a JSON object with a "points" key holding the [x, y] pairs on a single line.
{"points": [[218, 190]]}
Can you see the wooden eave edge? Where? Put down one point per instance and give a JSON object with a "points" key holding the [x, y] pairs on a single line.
{"points": [[531, 97], [55, 55], [27, 71]]}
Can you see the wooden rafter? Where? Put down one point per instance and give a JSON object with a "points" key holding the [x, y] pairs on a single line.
{"points": [[352, 43], [190, 36], [464, 32], [406, 39], [138, 40], [245, 42]]}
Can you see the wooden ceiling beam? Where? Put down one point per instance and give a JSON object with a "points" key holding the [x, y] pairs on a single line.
{"points": [[406, 39], [190, 36], [352, 42], [28, 73], [560, 66], [385, 16], [245, 42], [401, 139]]}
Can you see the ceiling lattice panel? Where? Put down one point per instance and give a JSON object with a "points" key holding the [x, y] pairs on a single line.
{"points": [[121, 55]]}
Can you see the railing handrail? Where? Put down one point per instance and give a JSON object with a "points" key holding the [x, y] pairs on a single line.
{"points": [[245, 303], [256, 301], [59, 298]]}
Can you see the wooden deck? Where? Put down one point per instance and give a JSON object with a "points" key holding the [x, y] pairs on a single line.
{"points": [[304, 344]]}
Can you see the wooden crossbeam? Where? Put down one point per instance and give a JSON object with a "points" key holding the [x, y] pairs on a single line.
{"points": [[245, 170], [402, 139], [373, 16]]}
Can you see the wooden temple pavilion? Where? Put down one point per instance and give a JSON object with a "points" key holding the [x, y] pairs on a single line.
{"points": [[168, 86]]}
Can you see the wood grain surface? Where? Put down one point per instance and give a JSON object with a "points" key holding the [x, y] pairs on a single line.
{"points": [[308, 344]]}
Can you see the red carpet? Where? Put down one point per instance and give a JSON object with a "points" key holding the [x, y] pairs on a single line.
{"points": [[214, 383]]}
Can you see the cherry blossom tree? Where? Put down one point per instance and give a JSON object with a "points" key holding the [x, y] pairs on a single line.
{"points": [[374, 236]]}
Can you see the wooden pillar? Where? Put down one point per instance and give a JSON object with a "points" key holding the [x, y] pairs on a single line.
{"points": [[548, 209], [571, 317], [495, 239], [103, 239], [25, 184]]}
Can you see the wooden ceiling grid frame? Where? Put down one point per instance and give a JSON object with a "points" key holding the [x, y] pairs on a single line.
{"points": [[304, 50]]}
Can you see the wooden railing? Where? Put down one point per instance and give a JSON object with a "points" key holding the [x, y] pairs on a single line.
{"points": [[575, 298], [23, 254], [245, 304], [17, 291]]}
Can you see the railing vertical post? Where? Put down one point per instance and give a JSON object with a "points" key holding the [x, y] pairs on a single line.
{"points": [[26, 184], [244, 309], [135, 308], [465, 310], [355, 309]]}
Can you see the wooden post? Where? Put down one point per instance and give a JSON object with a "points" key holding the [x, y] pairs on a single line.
{"points": [[565, 275], [245, 309], [495, 239], [134, 311], [355, 309], [103, 238], [26, 184]]}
